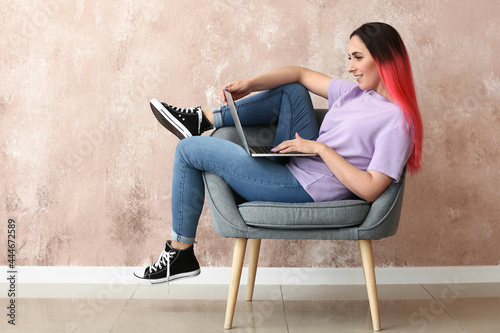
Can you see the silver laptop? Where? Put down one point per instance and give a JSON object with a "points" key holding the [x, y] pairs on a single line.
{"points": [[254, 151]]}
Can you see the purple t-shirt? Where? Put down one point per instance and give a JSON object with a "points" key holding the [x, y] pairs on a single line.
{"points": [[370, 132]]}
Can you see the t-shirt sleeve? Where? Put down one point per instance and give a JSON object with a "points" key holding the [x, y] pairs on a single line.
{"points": [[392, 150], [337, 88]]}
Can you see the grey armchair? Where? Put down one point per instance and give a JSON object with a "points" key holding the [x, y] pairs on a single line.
{"points": [[340, 220]]}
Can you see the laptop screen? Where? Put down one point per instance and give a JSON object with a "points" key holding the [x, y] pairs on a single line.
{"points": [[236, 119]]}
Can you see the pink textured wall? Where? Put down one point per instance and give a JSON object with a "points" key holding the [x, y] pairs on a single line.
{"points": [[86, 169]]}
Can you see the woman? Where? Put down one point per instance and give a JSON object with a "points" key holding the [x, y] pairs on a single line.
{"points": [[372, 130]]}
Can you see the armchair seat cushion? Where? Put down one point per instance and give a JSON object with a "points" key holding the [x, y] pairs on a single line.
{"points": [[313, 215]]}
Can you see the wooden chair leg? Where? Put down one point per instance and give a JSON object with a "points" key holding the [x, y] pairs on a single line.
{"points": [[366, 251], [240, 246], [252, 266]]}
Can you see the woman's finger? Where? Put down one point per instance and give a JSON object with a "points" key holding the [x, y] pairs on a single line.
{"points": [[282, 147]]}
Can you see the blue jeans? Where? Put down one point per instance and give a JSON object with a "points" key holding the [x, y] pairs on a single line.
{"points": [[253, 179]]}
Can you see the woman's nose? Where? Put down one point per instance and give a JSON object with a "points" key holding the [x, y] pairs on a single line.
{"points": [[350, 67]]}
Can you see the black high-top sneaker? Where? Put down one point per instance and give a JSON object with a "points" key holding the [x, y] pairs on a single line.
{"points": [[172, 265], [183, 123]]}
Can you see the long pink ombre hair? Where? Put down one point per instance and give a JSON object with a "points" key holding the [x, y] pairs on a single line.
{"points": [[388, 50]]}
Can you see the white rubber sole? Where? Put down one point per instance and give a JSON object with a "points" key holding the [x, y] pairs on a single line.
{"points": [[167, 120], [148, 282]]}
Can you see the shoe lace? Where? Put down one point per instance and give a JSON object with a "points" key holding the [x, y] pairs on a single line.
{"points": [[196, 110], [163, 260], [184, 110]]}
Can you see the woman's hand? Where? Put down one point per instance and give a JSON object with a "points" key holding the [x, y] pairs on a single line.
{"points": [[238, 89], [300, 145]]}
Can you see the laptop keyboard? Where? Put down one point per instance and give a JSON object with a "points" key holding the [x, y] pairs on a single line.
{"points": [[263, 149]]}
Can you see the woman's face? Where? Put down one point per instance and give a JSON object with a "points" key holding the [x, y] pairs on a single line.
{"points": [[363, 67]]}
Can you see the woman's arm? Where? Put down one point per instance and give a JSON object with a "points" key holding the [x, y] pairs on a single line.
{"points": [[315, 82], [367, 185]]}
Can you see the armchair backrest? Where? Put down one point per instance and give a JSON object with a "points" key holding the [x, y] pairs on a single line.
{"points": [[320, 115]]}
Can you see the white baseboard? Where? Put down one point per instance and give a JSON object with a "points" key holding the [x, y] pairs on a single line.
{"points": [[265, 275]]}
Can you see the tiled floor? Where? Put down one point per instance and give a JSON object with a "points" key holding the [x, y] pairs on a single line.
{"points": [[294, 309]]}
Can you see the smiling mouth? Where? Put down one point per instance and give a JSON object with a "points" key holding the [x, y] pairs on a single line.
{"points": [[359, 77]]}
